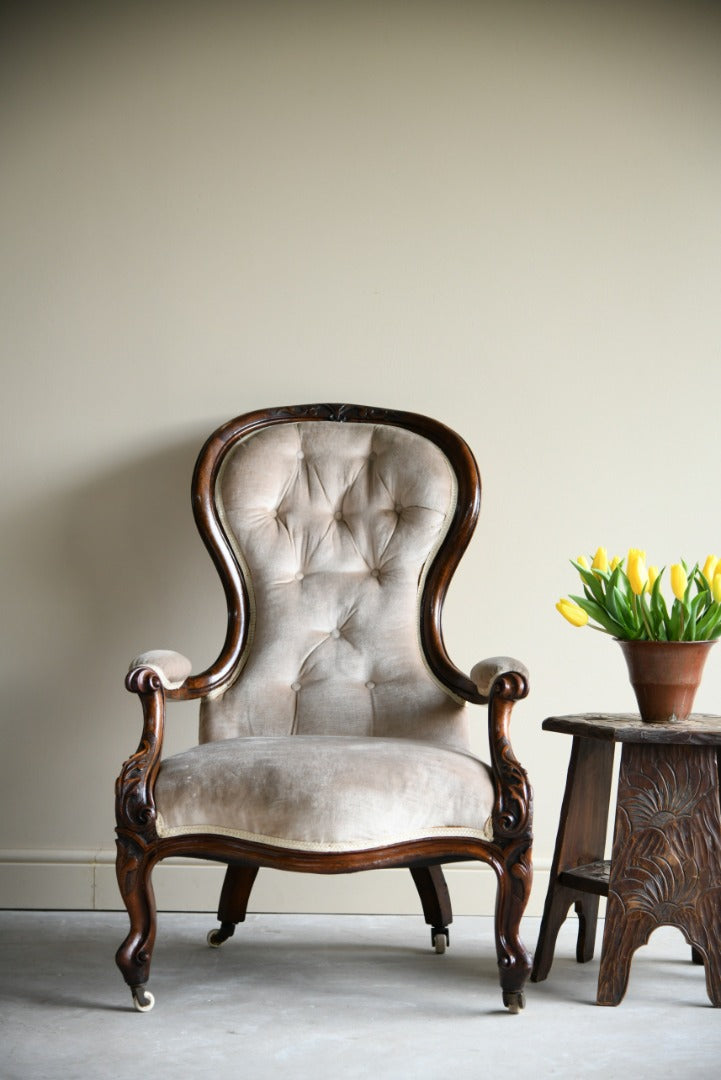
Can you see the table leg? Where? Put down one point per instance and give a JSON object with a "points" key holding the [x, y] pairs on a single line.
{"points": [[666, 861], [581, 840]]}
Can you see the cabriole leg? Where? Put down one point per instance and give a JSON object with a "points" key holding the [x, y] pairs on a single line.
{"points": [[515, 876], [134, 867]]}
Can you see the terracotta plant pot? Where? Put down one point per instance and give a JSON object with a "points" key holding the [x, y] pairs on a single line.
{"points": [[665, 676]]}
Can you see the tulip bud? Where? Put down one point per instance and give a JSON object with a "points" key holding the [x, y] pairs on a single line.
{"points": [[716, 587], [652, 575], [709, 567], [615, 561], [600, 560], [575, 614], [582, 561], [636, 570], [679, 581]]}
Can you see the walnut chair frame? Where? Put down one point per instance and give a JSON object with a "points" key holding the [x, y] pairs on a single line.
{"points": [[161, 678]]}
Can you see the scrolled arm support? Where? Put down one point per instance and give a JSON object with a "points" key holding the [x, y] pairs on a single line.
{"points": [[513, 807], [134, 803]]}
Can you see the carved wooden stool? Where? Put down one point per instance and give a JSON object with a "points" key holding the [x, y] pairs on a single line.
{"points": [[665, 868]]}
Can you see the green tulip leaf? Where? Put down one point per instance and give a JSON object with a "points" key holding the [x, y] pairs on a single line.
{"points": [[701, 583], [675, 622], [599, 615], [709, 626], [591, 582]]}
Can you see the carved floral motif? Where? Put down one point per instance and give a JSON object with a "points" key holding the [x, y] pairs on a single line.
{"points": [[666, 864]]}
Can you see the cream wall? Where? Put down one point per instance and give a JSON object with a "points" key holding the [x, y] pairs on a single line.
{"points": [[506, 215]]}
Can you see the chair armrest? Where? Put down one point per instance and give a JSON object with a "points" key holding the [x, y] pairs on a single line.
{"points": [[502, 681], [485, 673], [172, 668], [151, 676]]}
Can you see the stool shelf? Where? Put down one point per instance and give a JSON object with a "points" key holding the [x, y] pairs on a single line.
{"points": [[591, 878]]}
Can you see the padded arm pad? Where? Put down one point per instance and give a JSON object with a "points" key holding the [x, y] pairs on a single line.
{"points": [[172, 667], [485, 672]]}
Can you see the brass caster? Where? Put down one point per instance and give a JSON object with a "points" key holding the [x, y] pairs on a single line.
{"points": [[514, 1000], [143, 1000]]}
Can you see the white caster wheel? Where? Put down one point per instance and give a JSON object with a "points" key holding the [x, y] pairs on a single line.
{"points": [[440, 943], [514, 1000], [143, 1000], [213, 940]]}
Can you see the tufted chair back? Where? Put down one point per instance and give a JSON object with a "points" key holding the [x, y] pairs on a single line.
{"points": [[334, 527], [333, 731]]}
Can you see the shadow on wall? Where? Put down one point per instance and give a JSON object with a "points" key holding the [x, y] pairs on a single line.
{"points": [[100, 573]]}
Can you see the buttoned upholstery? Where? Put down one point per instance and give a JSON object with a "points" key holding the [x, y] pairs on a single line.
{"points": [[333, 725], [334, 525]]}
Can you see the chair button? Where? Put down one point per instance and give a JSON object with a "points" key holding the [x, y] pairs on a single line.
{"points": [[398, 508], [299, 576], [300, 455], [335, 633], [370, 685], [375, 573], [295, 686], [338, 515]]}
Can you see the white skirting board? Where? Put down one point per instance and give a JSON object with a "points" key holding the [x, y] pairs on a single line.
{"points": [[85, 881]]}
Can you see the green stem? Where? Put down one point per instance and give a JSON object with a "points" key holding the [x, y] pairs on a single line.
{"points": [[645, 618], [635, 602]]}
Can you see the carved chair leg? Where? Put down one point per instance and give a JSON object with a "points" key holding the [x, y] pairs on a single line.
{"points": [[233, 904], [134, 867], [515, 876], [436, 901]]}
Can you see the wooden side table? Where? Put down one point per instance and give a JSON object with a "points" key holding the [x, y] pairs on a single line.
{"points": [[665, 866]]}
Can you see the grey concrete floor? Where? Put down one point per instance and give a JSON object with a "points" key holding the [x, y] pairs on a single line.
{"points": [[336, 996]]}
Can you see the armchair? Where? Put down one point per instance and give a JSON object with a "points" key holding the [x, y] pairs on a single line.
{"points": [[334, 733]]}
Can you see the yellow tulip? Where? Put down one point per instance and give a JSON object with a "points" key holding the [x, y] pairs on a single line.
{"points": [[575, 614], [582, 561], [679, 581], [636, 570], [652, 575], [615, 561], [709, 567], [716, 587], [600, 560]]}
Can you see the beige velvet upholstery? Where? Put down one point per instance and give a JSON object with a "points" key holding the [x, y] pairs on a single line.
{"points": [[324, 792], [172, 668], [485, 672], [333, 726], [334, 524], [333, 734]]}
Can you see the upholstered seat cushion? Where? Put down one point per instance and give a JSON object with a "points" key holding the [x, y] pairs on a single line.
{"points": [[324, 793]]}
